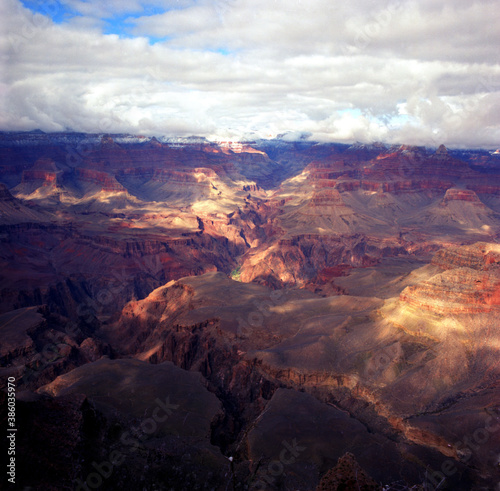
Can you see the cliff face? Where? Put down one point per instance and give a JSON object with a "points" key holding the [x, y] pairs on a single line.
{"points": [[485, 189], [46, 178], [40, 180], [408, 161], [481, 256], [456, 291], [105, 181], [470, 283], [164, 175], [326, 197], [461, 195], [305, 259]]}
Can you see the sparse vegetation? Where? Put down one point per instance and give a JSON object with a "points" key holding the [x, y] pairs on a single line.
{"points": [[236, 274]]}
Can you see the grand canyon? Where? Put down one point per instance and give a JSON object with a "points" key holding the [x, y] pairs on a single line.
{"points": [[185, 314]]}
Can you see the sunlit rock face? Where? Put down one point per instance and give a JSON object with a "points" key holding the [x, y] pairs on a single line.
{"points": [[460, 195], [470, 283], [480, 256], [305, 300], [460, 290]]}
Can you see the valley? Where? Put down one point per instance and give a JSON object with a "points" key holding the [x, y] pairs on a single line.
{"points": [[185, 314]]}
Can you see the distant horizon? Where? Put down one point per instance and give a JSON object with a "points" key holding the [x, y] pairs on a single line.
{"points": [[491, 149]]}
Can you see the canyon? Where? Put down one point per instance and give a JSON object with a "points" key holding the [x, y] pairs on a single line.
{"points": [[186, 314]]}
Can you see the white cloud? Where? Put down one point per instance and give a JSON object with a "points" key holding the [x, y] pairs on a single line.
{"points": [[395, 71]]}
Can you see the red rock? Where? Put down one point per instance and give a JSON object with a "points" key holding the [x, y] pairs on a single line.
{"points": [[326, 197], [45, 178], [461, 195], [102, 179], [477, 256], [470, 283], [343, 186]]}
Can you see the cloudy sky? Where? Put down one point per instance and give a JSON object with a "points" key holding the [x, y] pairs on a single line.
{"points": [[420, 72]]}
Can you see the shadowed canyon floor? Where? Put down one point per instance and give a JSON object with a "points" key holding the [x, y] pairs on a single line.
{"points": [[273, 315]]}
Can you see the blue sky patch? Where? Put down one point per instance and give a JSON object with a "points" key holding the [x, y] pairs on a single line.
{"points": [[53, 9], [120, 24]]}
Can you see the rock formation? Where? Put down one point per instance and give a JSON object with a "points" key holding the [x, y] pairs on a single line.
{"points": [[347, 474]]}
